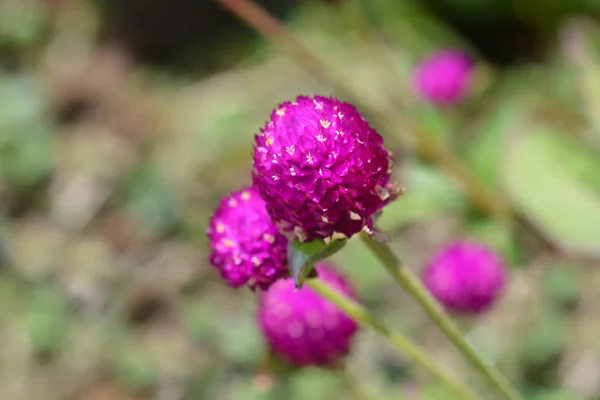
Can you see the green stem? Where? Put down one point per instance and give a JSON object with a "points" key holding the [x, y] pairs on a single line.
{"points": [[411, 283], [358, 313]]}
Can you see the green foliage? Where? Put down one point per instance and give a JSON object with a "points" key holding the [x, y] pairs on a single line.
{"points": [[150, 201], [562, 286], [484, 152], [547, 341], [136, 369], [240, 340], [48, 317], [565, 209], [21, 22], [25, 135], [303, 255]]}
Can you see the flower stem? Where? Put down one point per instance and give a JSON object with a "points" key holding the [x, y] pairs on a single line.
{"points": [[409, 281], [358, 313]]}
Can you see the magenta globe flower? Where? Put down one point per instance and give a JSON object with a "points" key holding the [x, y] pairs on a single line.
{"points": [[444, 77], [247, 247], [302, 327], [321, 169], [465, 277]]}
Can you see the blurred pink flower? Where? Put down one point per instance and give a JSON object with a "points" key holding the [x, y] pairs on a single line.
{"points": [[302, 327], [466, 277], [443, 78], [247, 247]]}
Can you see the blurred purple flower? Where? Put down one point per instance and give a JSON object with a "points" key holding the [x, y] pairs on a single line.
{"points": [[302, 327], [321, 169], [444, 77], [466, 277], [247, 247]]}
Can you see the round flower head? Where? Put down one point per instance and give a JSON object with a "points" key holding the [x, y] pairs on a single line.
{"points": [[321, 169], [465, 277], [444, 77], [247, 247], [302, 327]]}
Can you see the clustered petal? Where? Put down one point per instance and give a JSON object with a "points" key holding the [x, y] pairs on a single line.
{"points": [[465, 277], [302, 327], [247, 247], [443, 78], [321, 169]]}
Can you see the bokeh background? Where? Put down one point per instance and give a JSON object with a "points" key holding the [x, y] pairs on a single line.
{"points": [[123, 123]]}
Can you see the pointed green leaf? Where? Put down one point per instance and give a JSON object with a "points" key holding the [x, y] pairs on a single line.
{"points": [[303, 255], [550, 195]]}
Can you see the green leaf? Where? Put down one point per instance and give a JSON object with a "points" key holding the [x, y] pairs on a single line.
{"points": [[48, 319], [135, 369], [562, 286], [545, 343], [151, 202], [25, 134], [28, 159], [303, 255], [21, 21], [484, 153], [550, 195], [579, 159], [21, 107], [588, 68], [199, 316], [240, 341]]}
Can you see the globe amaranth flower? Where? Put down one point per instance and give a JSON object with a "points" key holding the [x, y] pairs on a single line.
{"points": [[303, 328], [247, 247], [321, 169], [444, 77], [465, 276]]}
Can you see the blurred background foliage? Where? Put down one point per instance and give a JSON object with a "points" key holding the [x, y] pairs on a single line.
{"points": [[123, 122]]}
